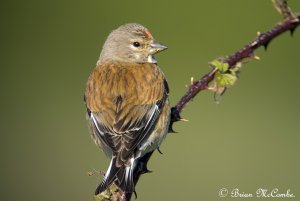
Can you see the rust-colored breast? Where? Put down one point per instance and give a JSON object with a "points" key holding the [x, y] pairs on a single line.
{"points": [[122, 87]]}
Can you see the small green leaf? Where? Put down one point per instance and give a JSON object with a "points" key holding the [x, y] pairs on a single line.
{"points": [[225, 67], [216, 63], [101, 197], [225, 79], [221, 66]]}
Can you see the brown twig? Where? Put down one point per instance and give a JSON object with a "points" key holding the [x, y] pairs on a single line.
{"points": [[262, 39]]}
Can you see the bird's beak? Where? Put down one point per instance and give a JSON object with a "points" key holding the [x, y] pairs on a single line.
{"points": [[157, 47]]}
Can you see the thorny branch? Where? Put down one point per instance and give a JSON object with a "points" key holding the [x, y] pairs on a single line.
{"points": [[262, 39], [290, 23]]}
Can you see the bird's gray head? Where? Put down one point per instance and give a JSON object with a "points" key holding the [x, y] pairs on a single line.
{"points": [[131, 43]]}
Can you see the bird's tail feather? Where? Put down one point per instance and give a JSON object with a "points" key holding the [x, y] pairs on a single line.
{"points": [[109, 176], [123, 177]]}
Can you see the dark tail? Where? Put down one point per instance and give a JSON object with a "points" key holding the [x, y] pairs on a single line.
{"points": [[124, 179], [122, 176]]}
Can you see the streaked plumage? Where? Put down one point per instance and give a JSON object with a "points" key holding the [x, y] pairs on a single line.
{"points": [[127, 103]]}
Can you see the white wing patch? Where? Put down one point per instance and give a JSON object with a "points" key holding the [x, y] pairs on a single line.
{"points": [[155, 111], [96, 125]]}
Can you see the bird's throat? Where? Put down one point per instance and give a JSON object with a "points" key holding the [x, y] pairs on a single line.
{"points": [[151, 59]]}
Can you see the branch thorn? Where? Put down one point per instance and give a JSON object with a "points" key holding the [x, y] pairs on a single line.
{"points": [[292, 30], [266, 45], [135, 194], [158, 149], [171, 130]]}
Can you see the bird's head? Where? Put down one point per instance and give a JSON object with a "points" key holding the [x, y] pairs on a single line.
{"points": [[131, 43]]}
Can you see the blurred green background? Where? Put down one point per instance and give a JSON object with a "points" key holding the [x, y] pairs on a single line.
{"points": [[248, 141]]}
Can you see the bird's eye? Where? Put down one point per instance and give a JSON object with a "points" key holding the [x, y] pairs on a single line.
{"points": [[136, 44]]}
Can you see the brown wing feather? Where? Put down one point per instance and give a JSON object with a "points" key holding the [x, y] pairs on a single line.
{"points": [[125, 102]]}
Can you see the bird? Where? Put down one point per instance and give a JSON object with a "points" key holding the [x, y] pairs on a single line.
{"points": [[127, 104]]}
